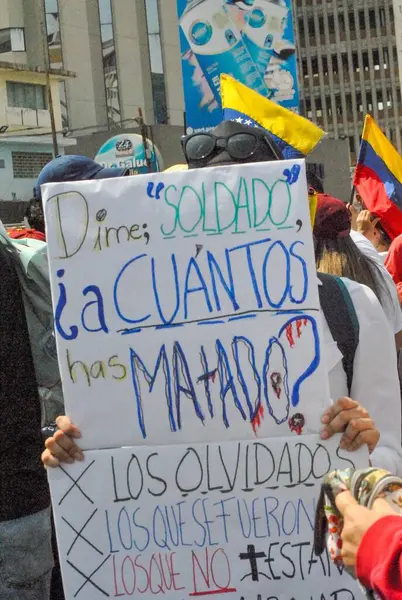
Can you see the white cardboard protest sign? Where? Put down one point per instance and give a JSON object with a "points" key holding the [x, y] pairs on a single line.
{"points": [[188, 333], [186, 305], [234, 520]]}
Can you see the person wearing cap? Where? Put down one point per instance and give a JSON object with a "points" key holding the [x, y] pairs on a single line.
{"points": [[375, 382], [73, 167]]}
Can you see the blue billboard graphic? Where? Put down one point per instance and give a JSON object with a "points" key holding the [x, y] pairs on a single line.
{"points": [[251, 40]]}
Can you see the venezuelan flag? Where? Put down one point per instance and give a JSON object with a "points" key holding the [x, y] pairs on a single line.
{"points": [[378, 177], [295, 135]]}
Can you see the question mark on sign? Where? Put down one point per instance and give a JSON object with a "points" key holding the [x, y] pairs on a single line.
{"points": [[314, 363], [275, 404]]}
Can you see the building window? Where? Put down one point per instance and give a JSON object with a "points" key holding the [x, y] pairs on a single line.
{"points": [[331, 24], [308, 108], [324, 65], [352, 24], [382, 17], [386, 58], [372, 20], [362, 21], [314, 66], [55, 51], [301, 31], [26, 95], [109, 62], [366, 64], [352, 146], [28, 165], [334, 60], [12, 40], [305, 68], [156, 61]]}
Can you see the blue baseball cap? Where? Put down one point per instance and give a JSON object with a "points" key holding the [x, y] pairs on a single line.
{"points": [[72, 167]]}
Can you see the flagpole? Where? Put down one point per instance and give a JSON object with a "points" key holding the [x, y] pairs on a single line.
{"points": [[360, 158]]}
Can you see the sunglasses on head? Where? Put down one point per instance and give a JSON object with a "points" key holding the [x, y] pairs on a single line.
{"points": [[199, 147]]}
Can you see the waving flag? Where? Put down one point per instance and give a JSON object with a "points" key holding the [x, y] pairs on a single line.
{"points": [[378, 177], [295, 135]]}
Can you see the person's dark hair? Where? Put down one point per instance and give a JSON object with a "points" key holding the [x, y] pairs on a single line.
{"points": [[34, 215], [342, 257], [384, 235], [313, 181]]}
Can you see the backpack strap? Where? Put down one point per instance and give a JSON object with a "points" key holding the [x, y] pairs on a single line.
{"points": [[342, 320]]}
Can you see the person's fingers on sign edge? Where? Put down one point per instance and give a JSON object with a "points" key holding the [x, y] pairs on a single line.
{"points": [[63, 447], [334, 424], [359, 432], [66, 426]]}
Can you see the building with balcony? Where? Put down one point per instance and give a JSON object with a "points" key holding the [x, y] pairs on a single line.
{"points": [[25, 128], [349, 65]]}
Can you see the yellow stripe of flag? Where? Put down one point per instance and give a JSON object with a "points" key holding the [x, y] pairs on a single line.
{"points": [[293, 129]]}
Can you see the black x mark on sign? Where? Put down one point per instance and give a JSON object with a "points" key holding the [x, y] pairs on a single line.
{"points": [[75, 483], [88, 579], [79, 534]]}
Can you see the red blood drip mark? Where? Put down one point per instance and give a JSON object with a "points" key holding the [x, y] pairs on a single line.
{"points": [[213, 377], [299, 324], [256, 422], [305, 321], [289, 335]]}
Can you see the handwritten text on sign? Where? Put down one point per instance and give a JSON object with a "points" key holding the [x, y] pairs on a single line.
{"points": [[186, 305], [183, 521]]}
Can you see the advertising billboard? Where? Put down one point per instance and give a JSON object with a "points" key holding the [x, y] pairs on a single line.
{"points": [[251, 40], [127, 150]]}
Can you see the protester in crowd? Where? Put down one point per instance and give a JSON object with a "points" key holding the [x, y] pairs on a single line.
{"points": [[393, 264], [73, 167], [338, 254], [375, 380], [26, 559], [313, 181], [335, 251], [371, 228], [389, 295], [36, 223], [372, 545]]}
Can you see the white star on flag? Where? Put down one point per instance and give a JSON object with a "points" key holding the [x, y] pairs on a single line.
{"points": [[248, 122], [239, 120]]}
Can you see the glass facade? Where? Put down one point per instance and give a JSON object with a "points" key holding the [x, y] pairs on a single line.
{"points": [[55, 51], [156, 61], [109, 61]]}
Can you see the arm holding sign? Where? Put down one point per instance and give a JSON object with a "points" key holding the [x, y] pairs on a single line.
{"points": [[372, 544], [61, 447]]}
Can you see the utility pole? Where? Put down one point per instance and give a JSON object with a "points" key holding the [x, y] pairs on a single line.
{"points": [[48, 84], [147, 151]]}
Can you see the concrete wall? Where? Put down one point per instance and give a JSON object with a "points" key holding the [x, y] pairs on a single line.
{"points": [[85, 94], [334, 155], [11, 188], [172, 61]]}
